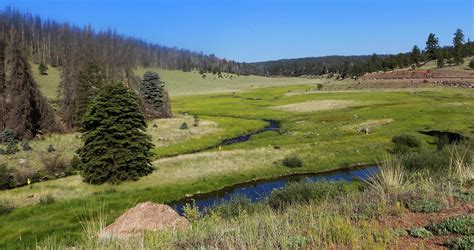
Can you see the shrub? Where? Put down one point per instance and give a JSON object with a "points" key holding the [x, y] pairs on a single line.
{"points": [[6, 178], [22, 174], [420, 232], [232, 208], [75, 162], [12, 148], [292, 161], [467, 197], [460, 225], [25, 146], [424, 206], [303, 192], [183, 126], [53, 164], [471, 64], [465, 242], [434, 161], [47, 199], [191, 212], [196, 120], [405, 142], [7, 135], [51, 148], [6, 207], [42, 68], [319, 86]]}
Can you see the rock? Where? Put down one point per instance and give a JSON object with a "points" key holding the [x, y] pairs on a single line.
{"points": [[147, 216]]}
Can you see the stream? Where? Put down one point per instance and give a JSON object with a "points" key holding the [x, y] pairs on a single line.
{"points": [[258, 190]]}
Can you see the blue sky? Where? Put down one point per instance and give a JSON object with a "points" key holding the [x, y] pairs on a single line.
{"points": [[257, 30]]}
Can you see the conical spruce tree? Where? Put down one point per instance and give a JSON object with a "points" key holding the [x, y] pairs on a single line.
{"points": [[155, 96], [116, 147]]}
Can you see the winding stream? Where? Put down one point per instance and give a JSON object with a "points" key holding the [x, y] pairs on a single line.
{"points": [[258, 190]]}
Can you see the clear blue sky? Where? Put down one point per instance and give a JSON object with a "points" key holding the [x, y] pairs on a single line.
{"points": [[256, 30]]}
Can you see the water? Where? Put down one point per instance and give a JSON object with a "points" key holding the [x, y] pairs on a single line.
{"points": [[272, 126], [258, 190]]}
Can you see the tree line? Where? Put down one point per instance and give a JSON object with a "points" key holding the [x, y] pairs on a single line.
{"points": [[355, 66]]}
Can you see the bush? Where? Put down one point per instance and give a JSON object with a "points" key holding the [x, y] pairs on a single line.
{"points": [[196, 120], [25, 146], [47, 199], [420, 233], [6, 178], [424, 206], [51, 148], [22, 174], [183, 125], [53, 164], [292, 161], [7, 135], [234, 207], [6, 207], [75, 162], [471, 64], [303, 192], [435, 161], [405, 143], [12, 148], [459, 225], [191, 212], [466, 242]]}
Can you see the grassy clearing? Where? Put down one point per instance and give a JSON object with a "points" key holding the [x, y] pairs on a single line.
{"points": [[49, 83], [192, 83], [320, 139]]}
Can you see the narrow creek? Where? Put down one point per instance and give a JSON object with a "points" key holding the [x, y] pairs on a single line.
{"points": [[259, 190]]}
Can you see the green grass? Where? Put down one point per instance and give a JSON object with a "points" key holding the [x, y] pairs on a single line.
{"points": [[324, 140], [191, 83], [49, 83]]}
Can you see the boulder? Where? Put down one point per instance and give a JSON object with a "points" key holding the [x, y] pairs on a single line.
{"points": [[147, 216]]}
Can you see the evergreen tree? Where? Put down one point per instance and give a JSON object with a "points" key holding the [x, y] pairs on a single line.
{"points": [[89, 81], [153, 92], [415, 55], [42, 68], [458, 41], [27, 112], [440, 60], [116, 147], [471, 64], [432, 45]]}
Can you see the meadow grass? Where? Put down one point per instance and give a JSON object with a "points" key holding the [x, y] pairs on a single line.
{"points": [[49, 83], [320, 139]]}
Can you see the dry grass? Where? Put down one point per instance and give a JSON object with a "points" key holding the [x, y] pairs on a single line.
{"points": [[390, 180], [167, 131], [177, 169], [370, 124], [317, 105]]}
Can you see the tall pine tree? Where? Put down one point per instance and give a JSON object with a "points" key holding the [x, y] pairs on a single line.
{"points": [[25, 110], [432, 45], [458, 41], [116, 147]]}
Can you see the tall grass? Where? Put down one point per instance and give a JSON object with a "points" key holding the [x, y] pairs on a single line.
{"points": [[390, 180], [461, 165]]}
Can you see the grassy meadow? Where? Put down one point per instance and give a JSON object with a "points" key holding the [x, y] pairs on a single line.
{"points": [[323, 128], [325, 138]]}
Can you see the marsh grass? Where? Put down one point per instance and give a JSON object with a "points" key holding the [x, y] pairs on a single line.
{"points": [[461, 165]]}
